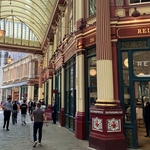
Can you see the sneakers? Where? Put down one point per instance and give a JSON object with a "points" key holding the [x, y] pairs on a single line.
{"points": [[35, 143], [7, 129], [24, 122], [39, 144]]}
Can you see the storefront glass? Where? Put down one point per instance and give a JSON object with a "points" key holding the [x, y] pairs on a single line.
{"points": [[70, 93]]}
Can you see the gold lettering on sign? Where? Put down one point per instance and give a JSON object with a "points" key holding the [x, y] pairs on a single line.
{"points": [[143, 30], [91, 39]]}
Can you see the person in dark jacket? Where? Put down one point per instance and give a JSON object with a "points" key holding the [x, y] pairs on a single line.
{"points": [[147, 119], [54, 111], [14, 112]]}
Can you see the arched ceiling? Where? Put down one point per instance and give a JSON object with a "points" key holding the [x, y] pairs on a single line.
{"points": [[36, 14]]}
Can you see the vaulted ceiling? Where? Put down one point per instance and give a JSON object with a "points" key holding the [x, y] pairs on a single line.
{"points": [[36, 15]]}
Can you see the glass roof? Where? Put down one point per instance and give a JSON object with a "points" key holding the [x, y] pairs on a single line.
{"points": [[26, 19]]}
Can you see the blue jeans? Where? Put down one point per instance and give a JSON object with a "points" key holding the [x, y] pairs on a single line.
{"points": [[37, 126]]}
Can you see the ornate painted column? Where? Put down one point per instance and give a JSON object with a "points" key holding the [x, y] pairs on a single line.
{"points": [[40, 86], [62, 112], [80, 123], [106, 117]]}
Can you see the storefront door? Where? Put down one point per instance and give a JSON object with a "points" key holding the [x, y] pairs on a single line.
{"points": [[134, 74]]}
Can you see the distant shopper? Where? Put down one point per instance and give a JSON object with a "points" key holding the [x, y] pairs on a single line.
{"points": [[7, 107], [14, 112], [147, 119], [30, 106], [23, 108], [54, 111], [38, 116]]}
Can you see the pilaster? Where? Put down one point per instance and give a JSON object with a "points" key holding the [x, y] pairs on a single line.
{"points": [[62, 112], [80, 130]]}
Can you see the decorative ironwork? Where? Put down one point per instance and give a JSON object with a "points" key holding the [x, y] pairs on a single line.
{"points": [[91, 51], [119, 2], [129, 137], [134, 44]]}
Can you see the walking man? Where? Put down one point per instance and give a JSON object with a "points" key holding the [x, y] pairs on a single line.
{"points": [[39, 117], [23, 108], [7, 107]]}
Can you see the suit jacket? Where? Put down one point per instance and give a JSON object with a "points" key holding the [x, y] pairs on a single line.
{"points": [[54, 108]]}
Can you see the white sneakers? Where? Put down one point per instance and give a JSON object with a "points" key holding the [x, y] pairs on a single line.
{"points": [[35, 143]]}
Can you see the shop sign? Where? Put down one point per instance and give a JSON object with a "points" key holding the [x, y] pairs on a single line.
{"points": [[133, 32], [142, 63]]}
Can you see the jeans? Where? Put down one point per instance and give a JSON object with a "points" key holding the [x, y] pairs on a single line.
{"points": [[37, 126], [23, 118], [14, 116]]}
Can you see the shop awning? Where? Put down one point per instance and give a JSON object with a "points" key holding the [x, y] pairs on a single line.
{"points": [[14, 85]]}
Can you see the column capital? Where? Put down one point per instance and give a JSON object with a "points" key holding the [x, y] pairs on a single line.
{"points": [[80, 52]]}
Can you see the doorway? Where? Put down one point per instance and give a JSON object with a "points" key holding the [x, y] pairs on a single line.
{"points": [[134, 79], [141, 97]]}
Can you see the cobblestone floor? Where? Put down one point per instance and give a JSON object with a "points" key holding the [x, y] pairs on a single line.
{"points": [[54, 137]]}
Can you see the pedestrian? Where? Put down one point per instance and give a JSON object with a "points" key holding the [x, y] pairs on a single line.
{"points": [[30, 106], [23, 108], [54, 111], [7, 107], [39, 117], [14, 112], [147, 119]]}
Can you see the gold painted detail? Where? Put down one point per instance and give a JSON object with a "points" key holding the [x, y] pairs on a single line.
{"points": [[129, 137], [134, 44]]}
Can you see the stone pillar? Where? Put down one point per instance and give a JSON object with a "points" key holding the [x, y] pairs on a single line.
{"points": [[30, 92], [50, 92], [62, 112], [106, 117], [40, 86], [80, 124]]}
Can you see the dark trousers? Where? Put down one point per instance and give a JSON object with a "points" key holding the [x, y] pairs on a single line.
{"points": [[6, 118], [147, 125], [30, 110], [14, 116], [37, 127], [54, 117]]}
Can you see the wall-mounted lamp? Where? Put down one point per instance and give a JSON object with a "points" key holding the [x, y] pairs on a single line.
{"points": [[9, 60], [126, 62], [135, 13]]}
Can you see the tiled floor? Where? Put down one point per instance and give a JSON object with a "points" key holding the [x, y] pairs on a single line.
{"points": [[143, 142]]}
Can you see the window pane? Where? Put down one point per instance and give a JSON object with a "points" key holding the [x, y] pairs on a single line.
{"points": [[125, 66], [72, 103], [92, 7], [134, 1], [92, 71], [141, 63], [93, 96]]}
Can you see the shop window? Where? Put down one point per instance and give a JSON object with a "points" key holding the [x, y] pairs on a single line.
{"points": [[92, 7], [138, 1], [70, 93], [141, 63]]}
